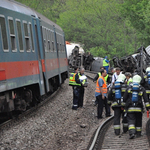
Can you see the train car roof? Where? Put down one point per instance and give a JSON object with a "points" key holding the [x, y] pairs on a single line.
{"points": [[21, 8]]}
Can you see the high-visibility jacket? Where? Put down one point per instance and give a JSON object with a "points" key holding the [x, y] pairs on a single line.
{"points": [[129, 81], [104, 77], [104, 87], [72, 81], [105, 63]]}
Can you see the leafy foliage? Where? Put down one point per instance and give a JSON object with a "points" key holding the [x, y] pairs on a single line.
{"points": [[105, 27]]}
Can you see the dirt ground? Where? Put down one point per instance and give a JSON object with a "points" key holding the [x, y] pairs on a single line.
{"points": [[55, 126]]}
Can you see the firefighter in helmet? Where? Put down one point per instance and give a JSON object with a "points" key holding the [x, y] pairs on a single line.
{"points": [[116, 96], [146, 82], [134, 106]]}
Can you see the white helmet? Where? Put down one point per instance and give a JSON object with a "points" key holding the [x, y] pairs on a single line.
{"points": [[137, 79], [147, 69], [121, 78]]}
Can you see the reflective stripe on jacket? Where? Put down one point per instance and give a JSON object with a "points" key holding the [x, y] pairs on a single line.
{"points": [[104, 87], [129, 81], [72, 81]]}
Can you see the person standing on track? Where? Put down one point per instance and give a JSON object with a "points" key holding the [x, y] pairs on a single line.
{"points": [[80, 89], [116, 96], [134, 106], [73, 83], [100, 94], [107, 79]]}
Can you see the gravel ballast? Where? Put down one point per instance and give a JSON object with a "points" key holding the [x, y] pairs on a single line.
{"points": [[55, 126]]}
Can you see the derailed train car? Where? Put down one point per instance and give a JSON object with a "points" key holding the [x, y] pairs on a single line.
{"points": [[85, 60], [137, 62], [33, 59]]}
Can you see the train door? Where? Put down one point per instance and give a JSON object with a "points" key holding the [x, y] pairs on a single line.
{"points": [[35, 23], [57, 50]]}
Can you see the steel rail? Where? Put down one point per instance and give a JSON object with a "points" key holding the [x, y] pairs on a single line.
{"points": [[98, 134]]}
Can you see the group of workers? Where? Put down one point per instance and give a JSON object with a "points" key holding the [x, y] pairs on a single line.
{"points": [[125, 95]]}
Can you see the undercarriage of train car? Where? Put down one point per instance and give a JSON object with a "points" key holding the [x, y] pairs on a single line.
{"points": [[19, 99]]}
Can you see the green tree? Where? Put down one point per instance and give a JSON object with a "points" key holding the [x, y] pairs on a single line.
{"points": [[103, 26], [99, 25], [137, 11]]}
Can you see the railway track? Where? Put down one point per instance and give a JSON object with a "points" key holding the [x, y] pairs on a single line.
{"points": [[29, 111], [122, 142], [98, 137], [104, 137]]}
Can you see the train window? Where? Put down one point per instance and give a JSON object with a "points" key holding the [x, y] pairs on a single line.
{"points": [[26, 34], [31, 34], [62, 47], [44, 41], [19, 35], [52, 46], [49, 41], [47, 46], [44, 38], [4, 33], [58, 46], [12, 35], [62, 43]]}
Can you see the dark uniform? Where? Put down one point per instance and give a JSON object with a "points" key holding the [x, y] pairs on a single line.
{"points": [[134, 108], [146, 84], [79, 90], [75, 88], [118, 106]]}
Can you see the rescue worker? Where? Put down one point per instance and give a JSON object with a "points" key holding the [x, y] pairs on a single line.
{"points": [[112, 70], [107, 79], [100, 94], [128, 78], [134, 106], [116, 96], [80, 89], [115, 76], [146, 82], [106, 63], [73, 83]]}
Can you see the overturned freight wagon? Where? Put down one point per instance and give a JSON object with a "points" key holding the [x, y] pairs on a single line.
{"points": [[137, 62]]}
